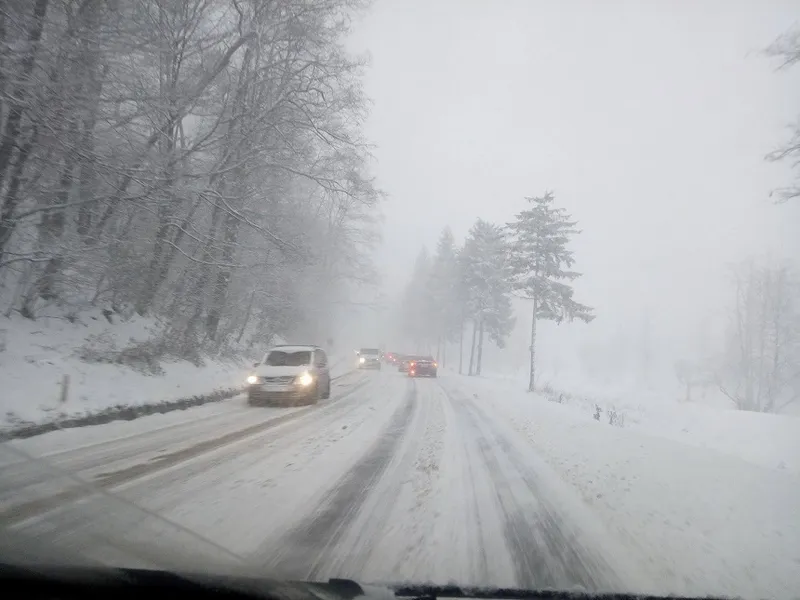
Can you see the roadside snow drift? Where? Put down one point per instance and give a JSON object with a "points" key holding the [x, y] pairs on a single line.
{"points": [[38, 355], [705, 514]]}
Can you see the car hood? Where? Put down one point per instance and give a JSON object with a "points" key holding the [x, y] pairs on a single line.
{"points": [[268, 371]]}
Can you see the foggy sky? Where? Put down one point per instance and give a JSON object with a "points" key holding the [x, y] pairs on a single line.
{"points": [[649, 120]]}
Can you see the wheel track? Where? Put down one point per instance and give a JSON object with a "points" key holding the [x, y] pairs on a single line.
{"points": [[545, 551], [316, 545], [230, 444], [96, 454]]}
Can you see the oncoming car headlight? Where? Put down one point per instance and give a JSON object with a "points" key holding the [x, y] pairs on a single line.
{"points": [[305, 379], [362, 360], [252, 379]]}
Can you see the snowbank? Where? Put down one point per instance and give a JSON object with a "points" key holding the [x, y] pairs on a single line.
{"points": [[720, 519], [767, 440], [35, 357]]}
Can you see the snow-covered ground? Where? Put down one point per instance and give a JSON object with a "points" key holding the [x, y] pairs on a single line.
{"points": [[38, 355], [466, 479], [35, 357], [767, 440], [707, 497]]}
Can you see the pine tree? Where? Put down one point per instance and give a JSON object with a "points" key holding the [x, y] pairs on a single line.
{"points": [[540, 265], [418, 307], [443, 287], [486, 283]]}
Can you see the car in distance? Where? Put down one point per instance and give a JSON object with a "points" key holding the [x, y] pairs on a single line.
{"points": [[402, 362], [369, 358], [290, 375], [422, 366]]}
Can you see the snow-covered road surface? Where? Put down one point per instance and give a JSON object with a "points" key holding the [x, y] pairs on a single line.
{"points": [[392, 479]]}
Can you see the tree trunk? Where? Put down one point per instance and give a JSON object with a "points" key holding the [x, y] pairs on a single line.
{"points": [[246, 317], [461, 349], [480, 350], [220, 291], [532, 380], [7, 221], [472, 347], [9, 140]]}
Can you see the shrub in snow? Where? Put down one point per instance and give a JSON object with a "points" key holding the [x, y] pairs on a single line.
{"points": [[139, 356], [615, 418]]}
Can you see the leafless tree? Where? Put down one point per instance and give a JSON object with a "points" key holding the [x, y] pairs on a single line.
{"points": [[761, 367], [183, 159]]}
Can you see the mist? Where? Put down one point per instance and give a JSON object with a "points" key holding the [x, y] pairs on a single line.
{"points": [[650, 123]]}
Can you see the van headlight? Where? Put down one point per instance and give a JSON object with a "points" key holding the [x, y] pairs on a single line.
{"points": [[362, 360], [252, 379], [305, 379]]}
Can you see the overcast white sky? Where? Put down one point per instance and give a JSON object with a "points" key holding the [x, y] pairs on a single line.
{"points": [[649, 120]]}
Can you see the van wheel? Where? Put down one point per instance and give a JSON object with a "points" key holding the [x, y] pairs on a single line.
{"points": [[327, 391]]}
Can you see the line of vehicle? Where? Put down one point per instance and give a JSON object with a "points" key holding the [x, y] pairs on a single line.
{"points": [[15, 514]]}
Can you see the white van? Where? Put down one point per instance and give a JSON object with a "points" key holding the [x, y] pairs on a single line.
{"points": [[290, 375]]}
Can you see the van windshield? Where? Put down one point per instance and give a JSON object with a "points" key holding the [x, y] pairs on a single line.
{"points": [[281, 358], [370, 351]]}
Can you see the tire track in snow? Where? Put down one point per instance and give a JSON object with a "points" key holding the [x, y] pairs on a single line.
{"points": [[487, 557], [96, 454], [436, 521], [220, 449], [545, 551], [204, 496], [312, 546], [407, 487]]}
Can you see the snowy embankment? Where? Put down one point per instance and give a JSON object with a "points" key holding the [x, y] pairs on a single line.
{"points": [[711, 422], [38, 358], [55, 373], [705, 496]]}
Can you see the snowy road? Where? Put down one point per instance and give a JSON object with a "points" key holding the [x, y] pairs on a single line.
{"points": [[391, 479]]}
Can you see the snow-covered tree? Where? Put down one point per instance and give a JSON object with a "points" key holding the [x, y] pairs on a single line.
{"points": [[787, 49], [443, 287], [418, 312], [760, 369], [541, 263], [201, 162], [485, 278]]}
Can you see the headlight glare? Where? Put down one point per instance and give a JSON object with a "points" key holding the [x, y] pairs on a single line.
{"points": [[252, 379], [305, 379], [362, 360]]}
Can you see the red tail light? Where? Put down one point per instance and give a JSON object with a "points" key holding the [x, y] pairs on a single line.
{"points": [[412, 364]]}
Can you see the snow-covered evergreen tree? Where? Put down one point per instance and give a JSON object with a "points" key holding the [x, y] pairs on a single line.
{"points": [[541, 266], [443, 288], [486, 282], [418, 307]]}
